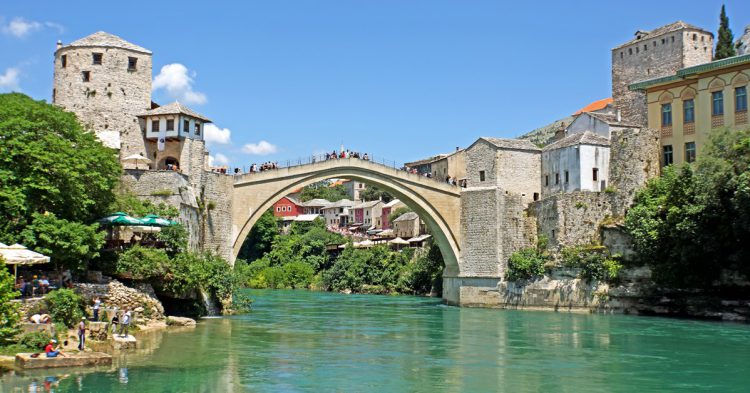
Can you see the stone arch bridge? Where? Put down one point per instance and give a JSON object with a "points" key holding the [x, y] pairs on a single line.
{"points": [[436, 202]]}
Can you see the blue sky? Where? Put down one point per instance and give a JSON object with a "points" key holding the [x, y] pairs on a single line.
{"points": [[398, 79]]}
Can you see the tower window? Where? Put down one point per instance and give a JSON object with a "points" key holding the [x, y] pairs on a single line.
{"points": [[630, 51], [64, 61], [155, 125], [595, 173], [546, 180], [170, 124], [567, 177], [197, 128], [86, 76], [695, 37], [557, 178], [97, 59], [186, 126], [663, 41], [481, 175], [132, 62]]}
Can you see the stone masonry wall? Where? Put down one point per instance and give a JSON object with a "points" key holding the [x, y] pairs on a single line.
{"points": [[109, 101], [571, 218], [116, 295], [217, 195], [519, 172], [481, 157], [634, 159]]}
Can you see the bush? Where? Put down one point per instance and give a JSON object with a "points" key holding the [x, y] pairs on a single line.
{"points": [[595, 262], [273, 277], [35, 340], [525, 264], [298, 274], [65, 306], [143, 263]]}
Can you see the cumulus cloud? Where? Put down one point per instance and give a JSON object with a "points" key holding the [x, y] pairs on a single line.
{"points": [[221, 159], [178, 83], [20, 27], [214, 134], [260, 149], [9, 80]]}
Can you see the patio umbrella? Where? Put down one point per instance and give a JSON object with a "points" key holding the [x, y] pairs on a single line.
{"points": [[137, 159], [400, 241], [19, 255], [120, 218], [156, 221]]}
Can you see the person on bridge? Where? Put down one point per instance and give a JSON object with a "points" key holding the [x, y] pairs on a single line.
{"points": [[366, 157]]}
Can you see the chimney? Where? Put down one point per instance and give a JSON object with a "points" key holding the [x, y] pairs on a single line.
{"points": [[619, 116], [458, 148], [59, 44]]}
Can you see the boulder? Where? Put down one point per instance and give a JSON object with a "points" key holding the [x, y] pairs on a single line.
{"points": [[70, 359], [98, 331], [123, 342], [180, 321]]}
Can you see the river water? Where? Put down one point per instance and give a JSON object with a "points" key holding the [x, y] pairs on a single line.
{"points": [[296, 341]]}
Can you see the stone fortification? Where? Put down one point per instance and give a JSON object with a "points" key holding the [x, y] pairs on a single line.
{"points": [[653, 54], [216, 195], [105, 81], [634, 159]]}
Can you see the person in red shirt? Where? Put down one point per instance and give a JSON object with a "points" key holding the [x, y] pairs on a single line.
{"points": [[50, 349]]}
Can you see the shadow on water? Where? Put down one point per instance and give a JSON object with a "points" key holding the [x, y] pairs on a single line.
{"points": [[312, 341]]}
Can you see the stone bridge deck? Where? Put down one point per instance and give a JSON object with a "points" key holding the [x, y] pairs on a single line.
{"points": [[436, 202]]}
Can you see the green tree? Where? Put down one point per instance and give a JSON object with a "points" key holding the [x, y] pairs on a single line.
{"points": [[323, 190], [129, 203], [373, 193], [49, 163], [725, 42], [65, 306], [175, 238], [261, 237], [71, 244], [9, 311]]}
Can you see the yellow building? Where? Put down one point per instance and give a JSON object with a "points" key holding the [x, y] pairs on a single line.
{"points": [[686, 106]]}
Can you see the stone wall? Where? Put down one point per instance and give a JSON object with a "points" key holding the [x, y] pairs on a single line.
{"points": [[109, 102], [216, 193], [143, 303], [481, 157], [572, 218], [634, 159], [519, 172]]}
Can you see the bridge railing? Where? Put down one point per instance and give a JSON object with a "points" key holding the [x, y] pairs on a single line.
{"points": [[316, 158]]}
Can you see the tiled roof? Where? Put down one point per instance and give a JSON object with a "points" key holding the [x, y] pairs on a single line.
{"points": [[647, 35], [609, 119], [392, 203], [366, 205], [426, 160], [340, 203], [690, 71], [174, 108], [316, 202], [407, 217], [578, 138], [107, 40], [293, 200], [595, 106], [516, 144]]}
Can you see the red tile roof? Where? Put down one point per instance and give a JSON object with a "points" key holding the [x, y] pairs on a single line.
{"points": [[595, 106]]}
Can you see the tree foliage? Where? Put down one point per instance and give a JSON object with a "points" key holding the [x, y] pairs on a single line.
{"points": [[725, 40], [595, 262], [398, 213], [528, 262], [323, 190], [373, 193], [694, 220], [143, 263], [260, 238], [70, 244], [49, 163], [65, 306], [9, 311], [129, 203]]}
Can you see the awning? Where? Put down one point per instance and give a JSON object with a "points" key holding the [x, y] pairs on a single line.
{"points": [[400, 241], [19, 255], [420, 238]]}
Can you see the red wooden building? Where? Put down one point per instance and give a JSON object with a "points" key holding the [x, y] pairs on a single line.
{"points": [[287, 207]]}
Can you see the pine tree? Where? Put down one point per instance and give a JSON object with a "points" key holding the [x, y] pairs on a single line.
{"points": [[725, 43]]}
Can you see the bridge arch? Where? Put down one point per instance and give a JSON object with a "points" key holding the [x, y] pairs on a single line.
{"points": [[437, 203]]}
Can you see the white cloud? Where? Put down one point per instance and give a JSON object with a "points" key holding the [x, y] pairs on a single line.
{"points": [[21, 27], [9, 80], [214, 134], [175, 79], [221, 159], [261, 148]]}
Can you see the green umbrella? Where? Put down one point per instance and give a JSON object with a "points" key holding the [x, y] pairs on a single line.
{"points": [[120, 218], [156, 221]]}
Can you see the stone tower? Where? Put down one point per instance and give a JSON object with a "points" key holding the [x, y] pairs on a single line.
{"points": [[106, 82], [654, 54]]}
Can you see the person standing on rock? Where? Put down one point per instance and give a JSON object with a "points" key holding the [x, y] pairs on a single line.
{"points": [[125, 323], [97, 304], [81, 333], [114, 322]]}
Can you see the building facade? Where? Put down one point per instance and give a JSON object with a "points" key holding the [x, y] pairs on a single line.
{"points": [[578, 162], [389, 208], [337, 213], [688, 104], [287, 207], [407, 225], [512, 165]]}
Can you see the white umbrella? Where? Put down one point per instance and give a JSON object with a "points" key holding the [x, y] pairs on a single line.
{"points": [[136, 159], [19, 255], [399, 240]]}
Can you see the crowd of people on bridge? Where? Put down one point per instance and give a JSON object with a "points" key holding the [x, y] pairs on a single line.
{"points": [[346, 154], [266, 166]]}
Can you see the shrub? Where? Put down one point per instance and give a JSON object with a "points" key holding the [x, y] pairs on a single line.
{"points": [[525, 264], [298, 274], [594, 260], [65, 306], [143, 263], [273, 277], [35, 340]]}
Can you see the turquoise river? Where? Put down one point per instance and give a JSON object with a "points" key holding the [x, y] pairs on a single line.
{"points": [[298, 341]]}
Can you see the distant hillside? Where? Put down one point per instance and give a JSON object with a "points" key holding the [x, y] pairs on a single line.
{"points": [[542, 135]]}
